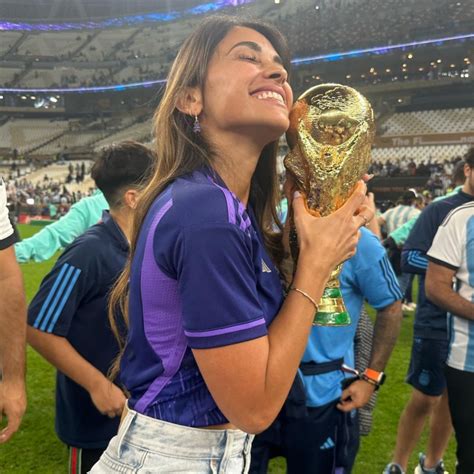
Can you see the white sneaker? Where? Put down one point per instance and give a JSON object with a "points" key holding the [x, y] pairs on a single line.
{"points": [[420, 468]]}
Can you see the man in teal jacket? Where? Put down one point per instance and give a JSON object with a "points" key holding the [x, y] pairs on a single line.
{"points": [[61, 233]]}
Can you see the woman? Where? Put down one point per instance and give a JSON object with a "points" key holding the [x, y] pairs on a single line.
{"points": [[213, 347]]}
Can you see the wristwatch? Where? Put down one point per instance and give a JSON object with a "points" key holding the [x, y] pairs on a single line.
{"points": [[373, 377]]}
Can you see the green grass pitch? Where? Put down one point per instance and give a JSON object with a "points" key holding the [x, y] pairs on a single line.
{"points": [[36, 449]]}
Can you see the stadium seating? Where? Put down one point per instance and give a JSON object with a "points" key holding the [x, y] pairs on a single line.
{"points": [[51, 44], [9, 38], [419, 154], [430, 122], [138, 131], [7, 74], [27, 134], [104, 43]]}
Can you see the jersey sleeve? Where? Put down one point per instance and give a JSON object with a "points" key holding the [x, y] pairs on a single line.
{"points": [[448, 245], [60, 234], [217, 286], [414, 261], [375, 276], [61, 292], [7, 235]]}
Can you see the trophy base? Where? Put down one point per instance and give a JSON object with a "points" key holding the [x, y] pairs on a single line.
{"points": [[332, 311]]}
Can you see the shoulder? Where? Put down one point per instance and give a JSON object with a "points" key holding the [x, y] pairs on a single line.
{"points": [[459, 215], [433, 212], [196, 201], [89, 247]]}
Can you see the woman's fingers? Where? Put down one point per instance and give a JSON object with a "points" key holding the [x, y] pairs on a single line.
{"points": [[364, 214], [355, 201]]}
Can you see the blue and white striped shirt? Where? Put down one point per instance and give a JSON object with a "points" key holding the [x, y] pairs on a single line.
{"points": [[453, 247], [397, 216]]}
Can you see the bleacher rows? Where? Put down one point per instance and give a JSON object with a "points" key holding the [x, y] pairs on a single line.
{"points": [[420, 154], [50, 137], [430, 122]]}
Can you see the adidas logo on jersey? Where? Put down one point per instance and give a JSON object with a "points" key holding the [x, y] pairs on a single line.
{"points": [[265, 267], [328, 444]]}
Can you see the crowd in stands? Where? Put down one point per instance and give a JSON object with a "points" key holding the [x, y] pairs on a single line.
{"points": [[48, 198], [439, 174], [340, 24]]}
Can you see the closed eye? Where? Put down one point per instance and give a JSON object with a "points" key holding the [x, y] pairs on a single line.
{"points": [[248, 57]]}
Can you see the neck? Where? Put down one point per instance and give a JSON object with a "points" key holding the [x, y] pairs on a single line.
{"points": [[236, 160], [467, 189], [122, 218]]}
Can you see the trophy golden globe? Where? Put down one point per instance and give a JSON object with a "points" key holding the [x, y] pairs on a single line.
{"points": [[330, 138]]}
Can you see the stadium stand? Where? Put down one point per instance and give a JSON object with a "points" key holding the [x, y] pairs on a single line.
{"points": [[9, 39], [25, 135], [8, 75], [430, 121], [50, 44], [139, 132], [419, 154]]}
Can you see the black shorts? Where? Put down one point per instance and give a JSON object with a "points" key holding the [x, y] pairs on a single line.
{"points": [[427, 363], [321, 442], [461, 396]]}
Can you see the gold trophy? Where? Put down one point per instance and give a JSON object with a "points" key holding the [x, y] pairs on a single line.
{"points": [[330, 137]]}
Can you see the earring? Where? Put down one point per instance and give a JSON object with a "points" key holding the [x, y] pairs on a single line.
{"points": [[196, 125]]}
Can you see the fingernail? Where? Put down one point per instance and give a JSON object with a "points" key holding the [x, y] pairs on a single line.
{"points": [[296, 194]]}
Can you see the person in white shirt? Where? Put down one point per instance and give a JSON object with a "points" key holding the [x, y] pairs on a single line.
{"points": [[451, 258], [12, 327]]}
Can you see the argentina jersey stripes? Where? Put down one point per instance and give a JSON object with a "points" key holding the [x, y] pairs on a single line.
{"points": [[57, 298]]}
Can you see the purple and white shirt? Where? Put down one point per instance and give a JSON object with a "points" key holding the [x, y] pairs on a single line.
{"points": [[200, 278]]}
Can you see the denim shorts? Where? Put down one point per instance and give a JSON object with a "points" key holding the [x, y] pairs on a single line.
{"points": [[427, 363], [147, 445]]}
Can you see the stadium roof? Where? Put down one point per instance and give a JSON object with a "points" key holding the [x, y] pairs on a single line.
{"points": [[77, 10]]}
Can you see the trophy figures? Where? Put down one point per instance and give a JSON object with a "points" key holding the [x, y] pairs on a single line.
{"points": [[330, 137]]}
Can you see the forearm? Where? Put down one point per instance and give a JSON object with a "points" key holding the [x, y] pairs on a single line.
{"points": [[386, 330], [288, 337], [447, 298], [61, 354], [12, 327]]}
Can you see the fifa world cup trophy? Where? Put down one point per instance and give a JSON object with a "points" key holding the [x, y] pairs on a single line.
{"points": [[330, 138]]}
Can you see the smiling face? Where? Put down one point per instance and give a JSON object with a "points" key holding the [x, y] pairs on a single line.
{"points": [[246, 89]]}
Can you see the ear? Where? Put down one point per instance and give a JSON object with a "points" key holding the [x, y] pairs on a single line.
{"points": [[467, 170], [130, 198], [190, 101]]}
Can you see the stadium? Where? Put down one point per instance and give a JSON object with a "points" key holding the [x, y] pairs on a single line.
{"points": [[80, 76]]}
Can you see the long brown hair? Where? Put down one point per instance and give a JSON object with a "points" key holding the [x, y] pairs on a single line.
{"points": [[180, 151]]}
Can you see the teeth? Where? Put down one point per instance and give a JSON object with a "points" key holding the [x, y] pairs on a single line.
{"points": [[270, 95]]}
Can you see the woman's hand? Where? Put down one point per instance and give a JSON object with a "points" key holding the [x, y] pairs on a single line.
{"points": [[325, 242]]}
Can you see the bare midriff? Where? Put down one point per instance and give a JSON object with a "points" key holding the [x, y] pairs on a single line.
{"points": [[224, 426]]}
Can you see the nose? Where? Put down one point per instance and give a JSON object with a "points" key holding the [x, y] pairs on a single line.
{"points": [[276, 72]]}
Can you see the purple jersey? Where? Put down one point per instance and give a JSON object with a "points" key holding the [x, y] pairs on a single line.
{"points": [[200, 278]]}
